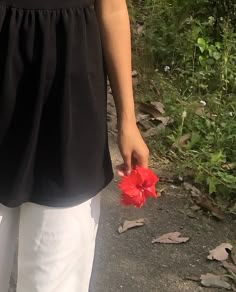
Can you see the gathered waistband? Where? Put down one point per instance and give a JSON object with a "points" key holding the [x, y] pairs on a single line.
{"points": [[47, 4]]}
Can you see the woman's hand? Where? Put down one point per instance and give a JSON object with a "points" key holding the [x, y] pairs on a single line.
{"points": [[132, 147]]}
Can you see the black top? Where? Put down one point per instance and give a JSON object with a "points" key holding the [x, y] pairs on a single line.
{"points": [[53, 128]]}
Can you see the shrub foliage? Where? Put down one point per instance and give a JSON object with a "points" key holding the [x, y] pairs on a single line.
{"points": [[191, 48]]}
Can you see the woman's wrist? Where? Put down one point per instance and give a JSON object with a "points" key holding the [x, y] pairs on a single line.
{"points": [[126, 120], [125, 109]]}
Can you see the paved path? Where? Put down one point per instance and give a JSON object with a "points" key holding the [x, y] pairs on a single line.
{"points": [[130, 262]]}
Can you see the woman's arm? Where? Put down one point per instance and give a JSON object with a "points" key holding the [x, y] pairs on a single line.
{"points": [[116, 39]]}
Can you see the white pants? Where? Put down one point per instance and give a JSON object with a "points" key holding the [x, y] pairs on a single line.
{"points": [[55, 246]]}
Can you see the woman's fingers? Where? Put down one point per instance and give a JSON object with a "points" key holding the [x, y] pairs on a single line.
{"points": [[134, 161], [132, 147], [122, 169], [136, 158], [128, 161], [142, 158], [142, 161]]}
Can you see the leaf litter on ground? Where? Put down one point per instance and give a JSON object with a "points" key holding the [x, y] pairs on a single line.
{"points": [[182, 141], [130, 224], [172, 237], [153, 108], [207, 204], [164, 122], [148, 108], [159, 106], [150, 132], [141, 117], [214, 281], [229, 267], [233, 255], [155, 111], [147, 115], [135, 79], [191, 188], [220, 252], [204, 201]]}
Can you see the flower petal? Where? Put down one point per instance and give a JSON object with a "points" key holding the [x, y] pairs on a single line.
{"points": [[136, 201], [150, 193], [148, 176], [128, 184]]}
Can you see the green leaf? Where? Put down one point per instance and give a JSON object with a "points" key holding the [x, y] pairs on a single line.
{"points": [[195, 32], [202, 44], [202, 49], [203, 86], [216, 55], [218, 45], [211, 181], [211, 50], [201, 60], [210, 61], [217, 157], [195, 139], [229, 179]]}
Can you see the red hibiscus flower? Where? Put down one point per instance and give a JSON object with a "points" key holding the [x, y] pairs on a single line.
{"points": [[138, 186]]}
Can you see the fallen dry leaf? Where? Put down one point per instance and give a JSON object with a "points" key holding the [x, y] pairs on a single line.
{"points": [[139, 28], [220, 253], [193, 278], [135, 81], [214, 281], [145, 124], [229, 166], [141, 117], [159, 106], [134, 73], [130, 224], [182, 141], [164, 121], [210, 275], [194, 191], [206, 203], [202, 112], [149, 109], [155, 110], [229, 267], [233, 255], [172, 237], [150, 132]]}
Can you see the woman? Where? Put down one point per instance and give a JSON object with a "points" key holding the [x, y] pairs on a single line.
{"points": [[55, 56]]}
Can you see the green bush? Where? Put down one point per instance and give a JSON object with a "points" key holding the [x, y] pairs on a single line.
{"points": [[192, 45]]}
